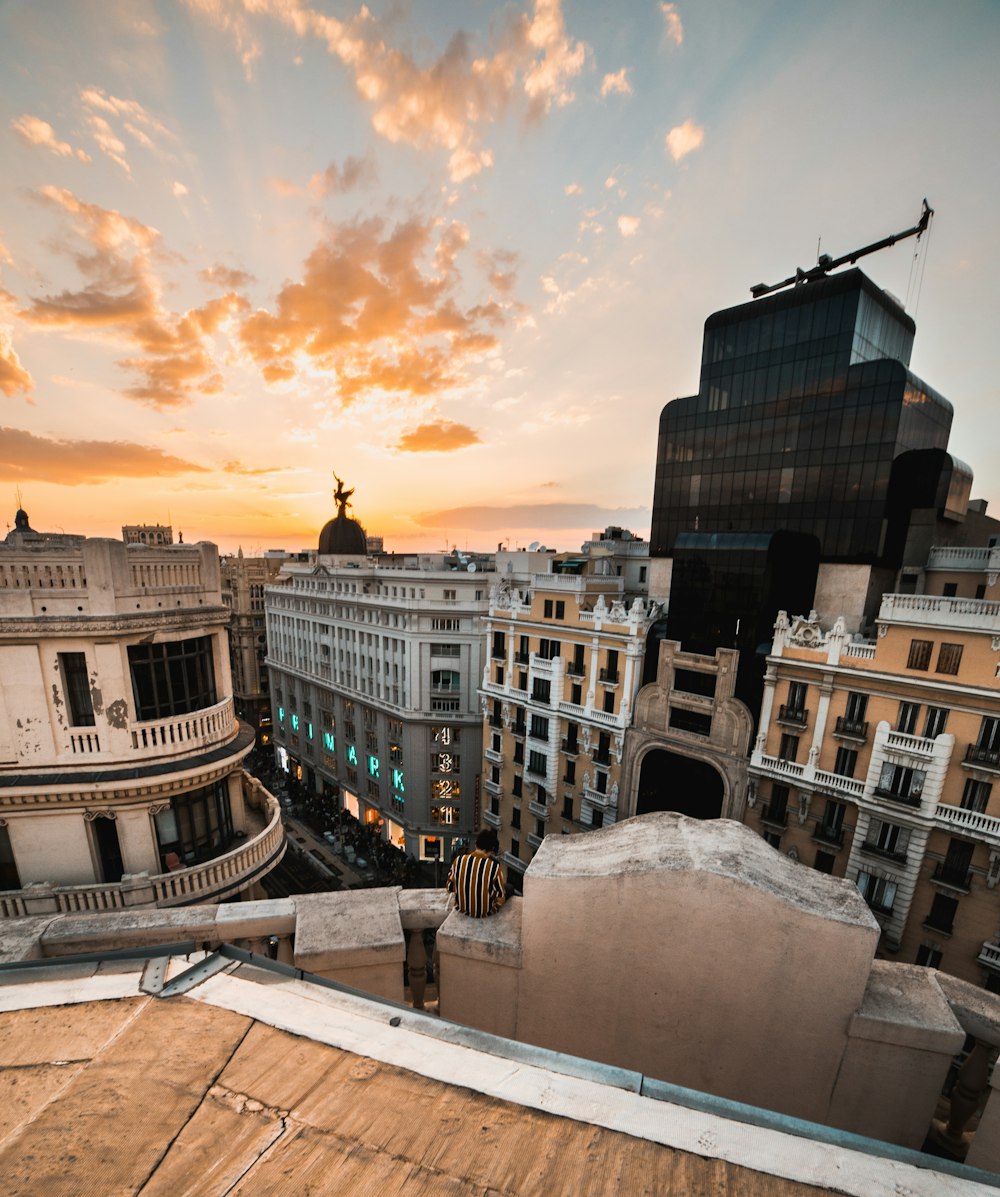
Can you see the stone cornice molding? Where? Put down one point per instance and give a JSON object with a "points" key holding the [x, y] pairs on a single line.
{"points": [[36, 627]]}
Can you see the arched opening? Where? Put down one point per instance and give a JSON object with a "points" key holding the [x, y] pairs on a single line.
{"points": [[668, 781]]}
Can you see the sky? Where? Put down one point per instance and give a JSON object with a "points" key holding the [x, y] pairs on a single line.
{"points": [[459, 253]]}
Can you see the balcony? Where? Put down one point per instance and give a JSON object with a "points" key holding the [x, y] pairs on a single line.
{"points": [[215, 879], [989, 956], [576, 668], [492, 818], [537, 769], [915, 746], [777, 764], [774, 816], [833, 837], [185, 733], [601, 758], [571, 747], [597, 797], [519, 729], [521, 658], [952, 878], [492, 787], [983, 758], [971, 822], [932, 611], [535, 840], [609, 677], [493, 756], [541, 736], [852, 786], [873, 849], [539, 810], [912, 799], [793, 716], [494, 721], [851, 729]]}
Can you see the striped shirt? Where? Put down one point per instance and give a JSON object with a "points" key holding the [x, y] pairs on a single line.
{"points": [[476, 879]]}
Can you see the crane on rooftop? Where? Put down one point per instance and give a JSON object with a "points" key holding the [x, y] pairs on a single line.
{"points": [[825, 263]]}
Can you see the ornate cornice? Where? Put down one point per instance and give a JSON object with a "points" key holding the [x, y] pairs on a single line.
{"points": [[35, 627]]}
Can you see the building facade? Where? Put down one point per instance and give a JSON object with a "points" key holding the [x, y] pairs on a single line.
{"points": [[121, 779], [374, 673], [243, 583], [155, 535], [565, 662], [879, 760]]}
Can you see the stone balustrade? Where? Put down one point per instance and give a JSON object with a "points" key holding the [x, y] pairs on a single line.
{"points": [[984, 827], [186, 733], [224, 876]]}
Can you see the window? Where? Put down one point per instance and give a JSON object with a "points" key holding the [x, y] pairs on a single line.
{"points": [[824, 862], [567, 810], [560, 609], [196, 827], [76, 687], [796, 697], [950, 589], [832, 826], [949, 658], [928, 956], [540, 828], [517, 786], [445, 680], [539, 728], [609, 701], [499, 675], [776, 810], [846, 762], [548, 649], [576, 695], [954, 869], [887, 838], [603, 754], [450, 596], [569, 777], [902, 783], [906, 721], [920, 654], [988, 739], [942, 913], [576, 666], [878, 892], [773, 838], [789, 748], [515, 818], [515, 848], [548, 609], [446, 650], [536, 763], [541, 690], [857, 708], [976, 795], [499, 645], [172, 678], [937, 717], [9, 877], [600, 781]]}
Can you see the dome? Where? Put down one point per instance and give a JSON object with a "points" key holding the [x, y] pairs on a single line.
{"points": [[343, 536]]}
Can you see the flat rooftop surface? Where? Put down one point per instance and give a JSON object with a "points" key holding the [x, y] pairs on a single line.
{"points": [[147, 1096], [223, 1079]]}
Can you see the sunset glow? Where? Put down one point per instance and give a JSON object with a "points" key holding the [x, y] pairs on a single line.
{"points": [[461, 253]]}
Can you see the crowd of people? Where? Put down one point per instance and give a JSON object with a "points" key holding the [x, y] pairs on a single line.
{"points": [[389, 865]]}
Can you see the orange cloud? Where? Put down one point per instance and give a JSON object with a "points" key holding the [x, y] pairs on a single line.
{"points": [[618, 82], [71, 463], [444, 436], [378, 309], [675, 31], [682, 139], [14, 379], [529, 516], [225, 276], [443, 105], [36, 132], [121, 297], [132, 117], [337, 180]]}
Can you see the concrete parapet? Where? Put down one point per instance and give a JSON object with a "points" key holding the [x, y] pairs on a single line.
{"points": [[354, 937], [108, 932], [899, 1047], [481, 969]]}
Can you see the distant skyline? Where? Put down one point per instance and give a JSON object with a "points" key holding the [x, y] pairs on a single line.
{"points": [[461, 253]]}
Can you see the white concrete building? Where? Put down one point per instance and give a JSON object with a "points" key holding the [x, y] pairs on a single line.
{"points": [[374, 671], [121, 779]]}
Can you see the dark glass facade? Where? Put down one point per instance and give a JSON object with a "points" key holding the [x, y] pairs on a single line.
{"points": [[805, 404]]}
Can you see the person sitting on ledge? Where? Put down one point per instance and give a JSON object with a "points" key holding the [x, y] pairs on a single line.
{"points": [[476, 878]]}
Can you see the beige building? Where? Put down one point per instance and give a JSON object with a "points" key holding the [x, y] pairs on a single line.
{"points": [[121, 779], [243, 582], [879, 760], [565, 662], [154, 535]]}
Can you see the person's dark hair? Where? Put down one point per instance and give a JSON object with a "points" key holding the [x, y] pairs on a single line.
{"points": [[488, 840]]}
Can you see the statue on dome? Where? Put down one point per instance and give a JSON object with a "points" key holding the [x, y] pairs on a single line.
{"points": [[342, 497]]}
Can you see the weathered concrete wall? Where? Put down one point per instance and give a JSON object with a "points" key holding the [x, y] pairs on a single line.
{"points": [[481, 969], [693, 952], [52, 847], [354, 937]]}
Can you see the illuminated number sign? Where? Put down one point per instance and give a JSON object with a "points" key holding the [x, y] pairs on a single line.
{"points": [[397, 781], [445, 788], [442, 735], [445, 762], [373, 766], [328, 741], [281, 714], [352, 755]]}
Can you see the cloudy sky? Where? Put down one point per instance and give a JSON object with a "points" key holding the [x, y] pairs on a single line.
{"points": [[460, 252]]}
